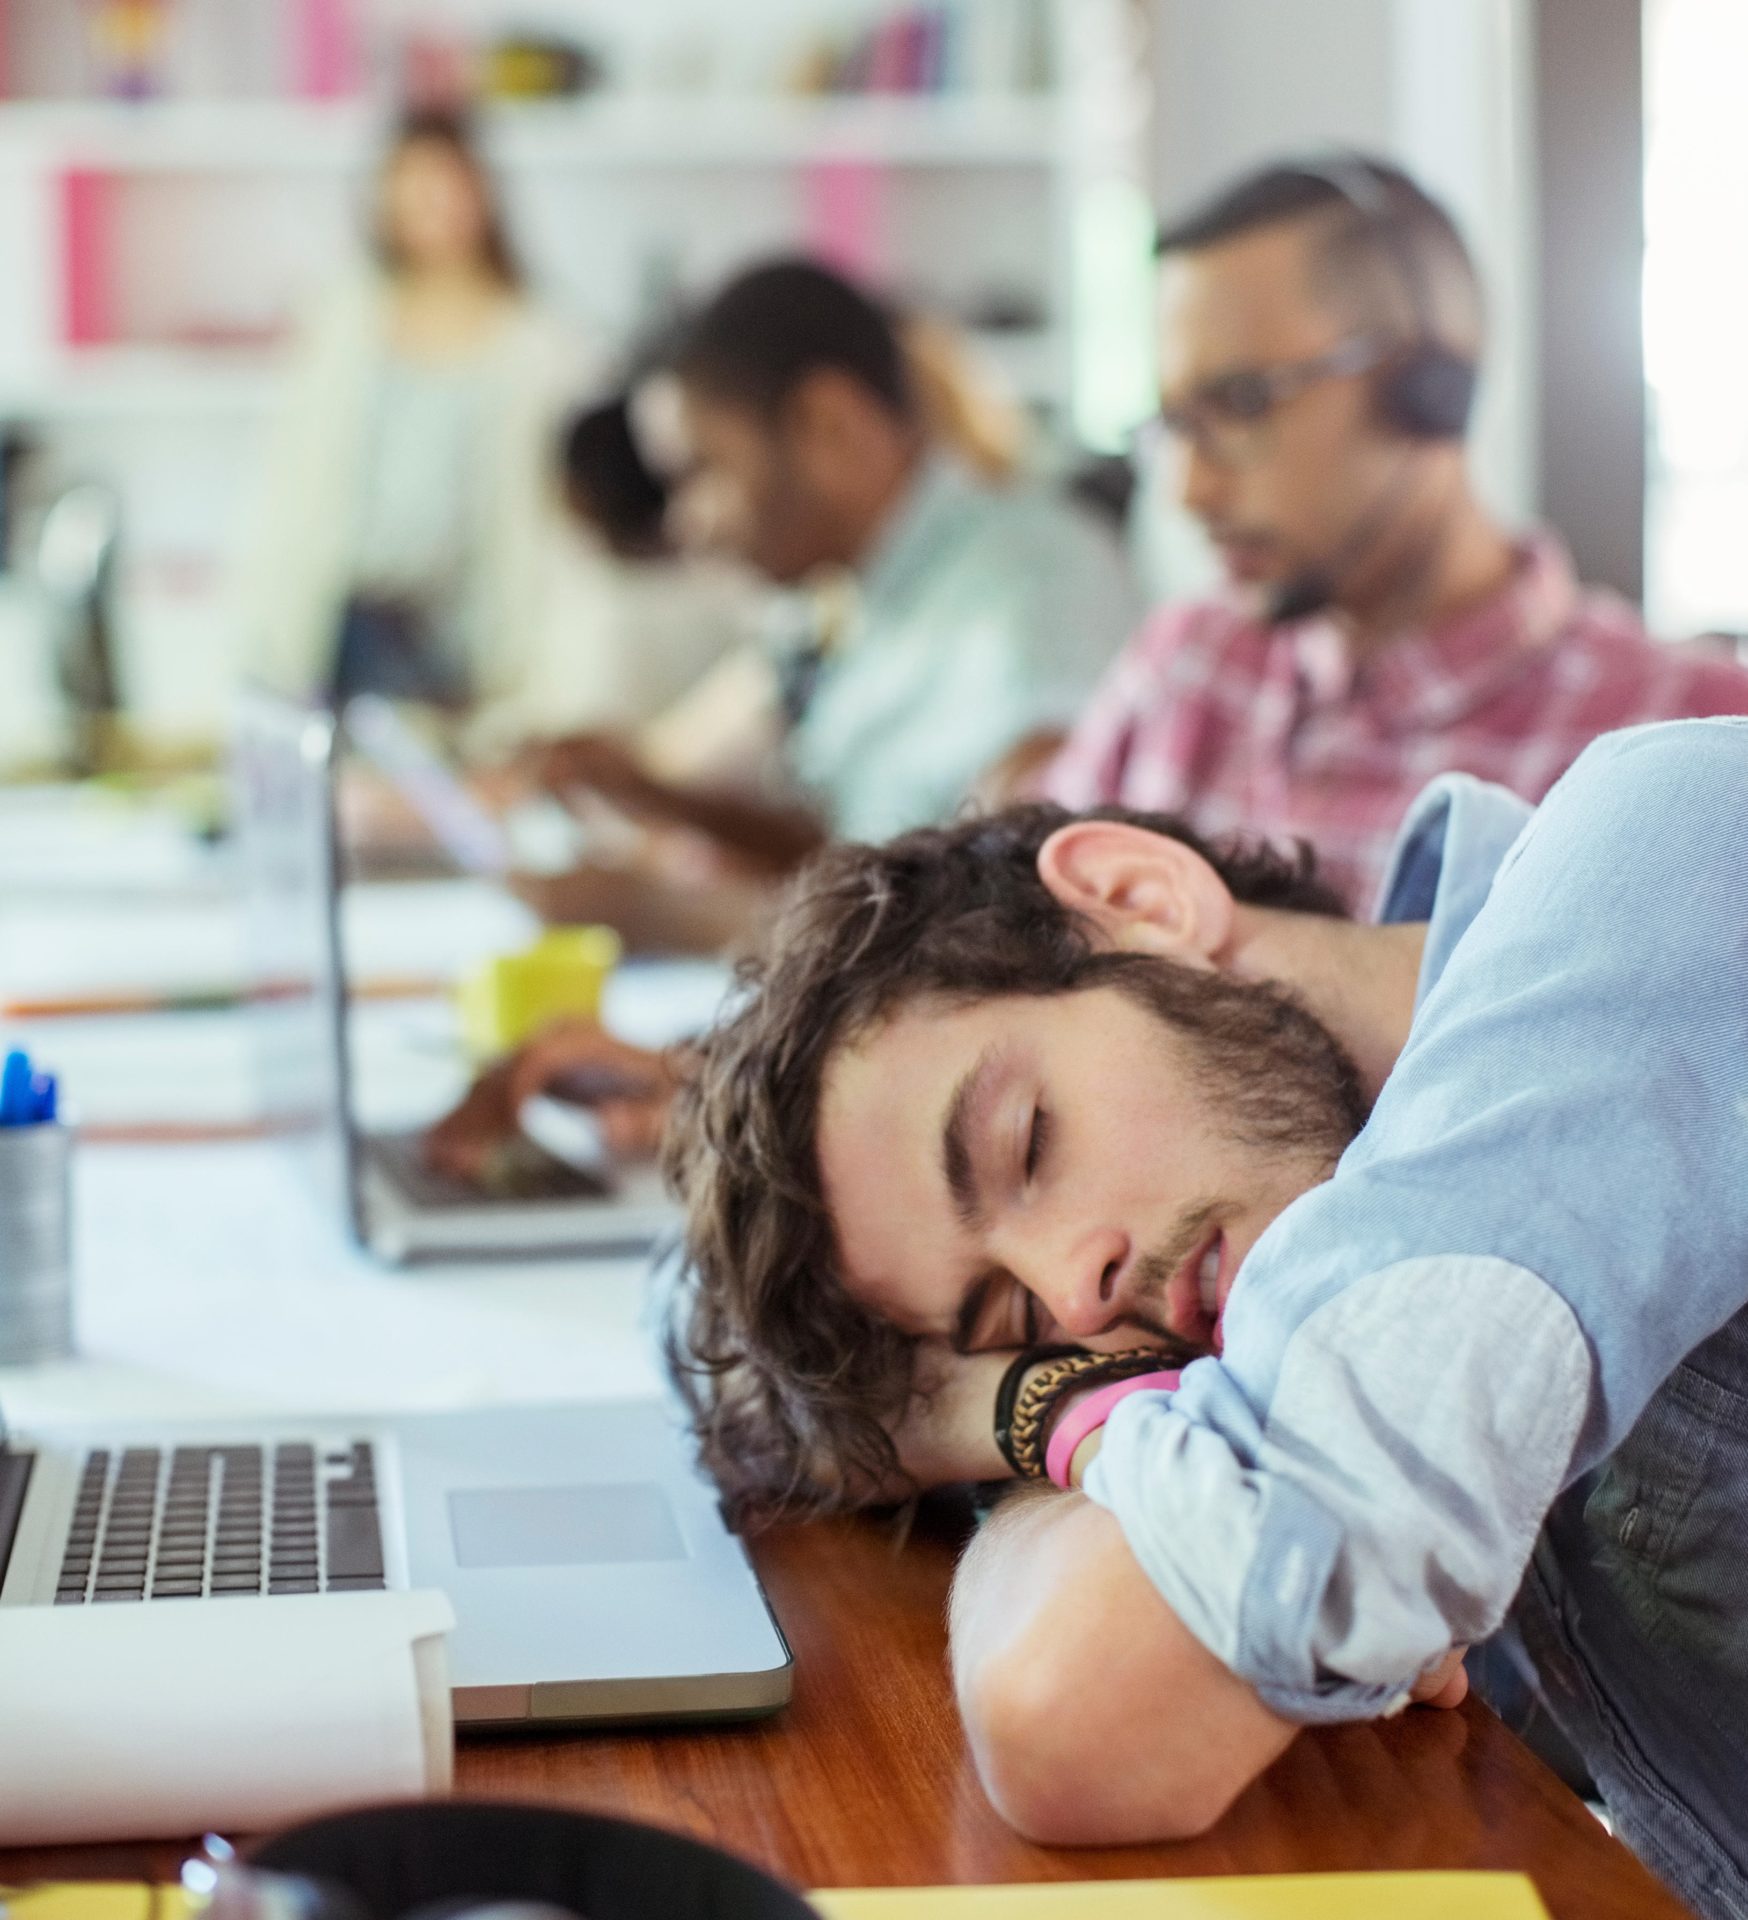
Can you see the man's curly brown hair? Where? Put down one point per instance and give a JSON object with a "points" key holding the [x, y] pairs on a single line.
{"points": [[793, 1386]]}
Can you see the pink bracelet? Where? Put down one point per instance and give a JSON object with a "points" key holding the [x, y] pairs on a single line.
{"points": [[1090, 1411]]}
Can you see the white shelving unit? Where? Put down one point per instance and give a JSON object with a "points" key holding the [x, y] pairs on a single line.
{"points": [[232, 211], [627, 130], [328, 147]]}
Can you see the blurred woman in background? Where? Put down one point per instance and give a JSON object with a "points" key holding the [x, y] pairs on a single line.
{"points": [[411, 514]]}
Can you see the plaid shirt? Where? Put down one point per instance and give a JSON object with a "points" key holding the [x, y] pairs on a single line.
{"points": [[1274, 731]]}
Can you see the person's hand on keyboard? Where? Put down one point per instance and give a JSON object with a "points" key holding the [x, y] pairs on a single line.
{"points": [[598, 763], [626, 1088]]}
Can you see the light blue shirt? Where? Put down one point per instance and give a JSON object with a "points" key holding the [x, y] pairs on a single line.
{"points": [[1547, 1211], [984, 615]]}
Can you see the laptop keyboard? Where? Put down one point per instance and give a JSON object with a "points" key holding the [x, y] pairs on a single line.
{"points": [[177, 1524], [529, 1176]]}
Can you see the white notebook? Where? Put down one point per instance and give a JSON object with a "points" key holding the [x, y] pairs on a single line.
{"points": [[237, 1715]]}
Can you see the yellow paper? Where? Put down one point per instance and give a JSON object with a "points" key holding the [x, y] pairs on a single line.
{"points": [[94, 1900], [1285, 1896]]}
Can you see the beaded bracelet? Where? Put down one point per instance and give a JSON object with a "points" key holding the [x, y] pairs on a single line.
{"points": [[1023, 1436], [1006, 1394]]}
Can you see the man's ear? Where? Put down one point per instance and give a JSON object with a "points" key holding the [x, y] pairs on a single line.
{"points": [[1143, 891]]}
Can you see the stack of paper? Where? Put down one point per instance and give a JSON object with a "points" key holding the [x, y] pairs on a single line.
{"points": [[170, 1718]]}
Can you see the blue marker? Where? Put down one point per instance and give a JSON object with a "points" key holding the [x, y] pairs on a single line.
{"points": [[27, 1098], [17, 1102]]}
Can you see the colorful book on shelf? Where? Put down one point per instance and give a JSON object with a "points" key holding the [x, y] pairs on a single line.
{"points": [[845, 216], [932, 27], [88, 317], [324, 51], [886, 56]]}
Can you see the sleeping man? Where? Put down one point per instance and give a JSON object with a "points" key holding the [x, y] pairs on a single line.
{"points": [[1365, 1289]]}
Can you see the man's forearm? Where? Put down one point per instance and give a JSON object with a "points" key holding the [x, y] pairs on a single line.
{"points": [[764, 833], [947, 1435], [1095, 1716], [649, 911]]}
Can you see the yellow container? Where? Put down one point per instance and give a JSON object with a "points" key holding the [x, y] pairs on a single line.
{"points": [[505, 1000]]}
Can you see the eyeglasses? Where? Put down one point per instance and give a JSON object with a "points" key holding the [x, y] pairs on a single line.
{"points": [[1223, 418]]}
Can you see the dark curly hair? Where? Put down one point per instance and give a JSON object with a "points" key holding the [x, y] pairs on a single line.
{"points": [[792, 1385]]}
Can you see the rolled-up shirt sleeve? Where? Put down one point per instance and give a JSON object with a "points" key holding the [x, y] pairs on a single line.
{"points": [[1543, 1217], [1420, 1424]]}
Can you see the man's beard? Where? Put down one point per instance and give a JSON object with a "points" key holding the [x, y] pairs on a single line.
{"points": [[1274, 1078]]}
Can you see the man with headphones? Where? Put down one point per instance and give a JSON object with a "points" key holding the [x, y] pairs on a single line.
{"points": [[1321, 327]]}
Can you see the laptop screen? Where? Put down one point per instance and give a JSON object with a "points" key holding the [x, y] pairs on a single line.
{"points": [[459, 824], [283, 777], [15, 1471]]}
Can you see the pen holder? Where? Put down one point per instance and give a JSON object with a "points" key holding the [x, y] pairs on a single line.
{"points": [[36, 1272], [504, 1001]]}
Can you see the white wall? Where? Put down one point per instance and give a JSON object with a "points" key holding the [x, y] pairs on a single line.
{"points": [[1241, 80], [1441, 86]]}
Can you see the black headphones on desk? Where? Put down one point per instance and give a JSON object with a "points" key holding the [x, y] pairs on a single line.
{"points": [[455, 1860]]}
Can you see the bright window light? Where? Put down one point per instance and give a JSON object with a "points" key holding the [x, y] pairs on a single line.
{"points": [[1695, 294], [1115, 384]]}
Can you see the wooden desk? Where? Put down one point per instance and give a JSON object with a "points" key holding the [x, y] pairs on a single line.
{"points": [[865, 1779]]}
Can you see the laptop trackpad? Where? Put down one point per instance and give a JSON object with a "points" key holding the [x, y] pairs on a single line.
{"points": [[563, 1526]]}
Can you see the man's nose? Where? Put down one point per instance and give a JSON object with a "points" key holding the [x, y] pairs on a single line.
{"points": [[1203, 483], [1080, 1290]]}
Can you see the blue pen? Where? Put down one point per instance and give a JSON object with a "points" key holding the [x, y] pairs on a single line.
{"points": [[17, 1100]]}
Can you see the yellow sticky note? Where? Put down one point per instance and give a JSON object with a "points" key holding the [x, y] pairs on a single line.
{"points": [[1284, 1896], [505, 1000]]}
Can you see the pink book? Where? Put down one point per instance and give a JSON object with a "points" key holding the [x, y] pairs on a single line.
{"points": [[845, 216], [324, 49], [886, 65], [88, 315]]}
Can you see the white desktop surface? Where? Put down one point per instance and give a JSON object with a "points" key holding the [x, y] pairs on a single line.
{"points": [[208, 1281], [55, 943], [211, 1279]]}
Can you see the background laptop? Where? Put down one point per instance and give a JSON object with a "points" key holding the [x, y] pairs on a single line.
{"points": [[285, 770], [587, 1562]]}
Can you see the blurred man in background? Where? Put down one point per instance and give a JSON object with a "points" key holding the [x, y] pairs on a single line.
{"points": [[973, 615], [1322, 326], [969, 620]]}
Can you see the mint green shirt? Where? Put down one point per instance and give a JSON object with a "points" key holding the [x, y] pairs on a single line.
{"points": [[984, 614]]}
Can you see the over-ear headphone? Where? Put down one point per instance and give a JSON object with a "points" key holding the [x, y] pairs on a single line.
{"points": [[1425, 389]]}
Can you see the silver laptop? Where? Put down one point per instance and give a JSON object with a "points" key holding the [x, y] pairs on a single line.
{"points": [[285, 771], [587, 1562]]}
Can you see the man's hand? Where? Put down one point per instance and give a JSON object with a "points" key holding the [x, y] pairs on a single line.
{"points": [[593, 763], [1444, 1685], [627, 1088]]}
